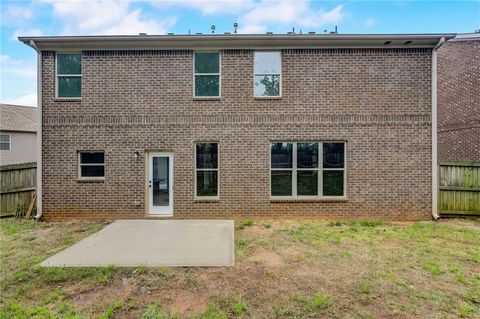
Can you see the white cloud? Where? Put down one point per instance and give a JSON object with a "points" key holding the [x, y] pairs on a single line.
{"points": [[16, 68], [16, 14], [208, 7], [370, 22], [25, 32], [287, 13], [106, 17], [27, 100]]}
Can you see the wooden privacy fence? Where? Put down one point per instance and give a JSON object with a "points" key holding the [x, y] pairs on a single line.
{"points": [[17, 188], [459, 188]]}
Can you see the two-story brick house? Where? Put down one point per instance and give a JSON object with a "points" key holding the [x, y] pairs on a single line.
{"points": [[234, 126]]}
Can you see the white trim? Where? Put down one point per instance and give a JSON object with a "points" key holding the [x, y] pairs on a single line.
{"points": [[434, 132], [80, 164], [320, 169], [206, 198], [68, 75], [280, 75], [39, 146], [219, 76], [160, 211], [9, 143]]}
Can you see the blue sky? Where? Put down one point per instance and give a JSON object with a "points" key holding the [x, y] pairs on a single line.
{"points": [[51, 17]]}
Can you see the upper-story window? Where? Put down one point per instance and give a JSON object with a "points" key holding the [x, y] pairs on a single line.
{"points": [[207, 74], [268, 72], [69, 75]]}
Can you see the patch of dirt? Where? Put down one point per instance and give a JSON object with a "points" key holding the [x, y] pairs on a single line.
{"points": [[267, 258], [187, 303]]}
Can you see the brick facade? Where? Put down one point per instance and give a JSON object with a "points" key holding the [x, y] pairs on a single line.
{"points": [[459, 101], [377, 100]]}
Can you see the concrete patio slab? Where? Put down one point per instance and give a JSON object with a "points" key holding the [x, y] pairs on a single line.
{"points": [[153, 243]]}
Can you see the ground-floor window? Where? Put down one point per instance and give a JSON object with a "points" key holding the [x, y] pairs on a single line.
{"points": [[91, 164], [206, 170], [306, 169]]}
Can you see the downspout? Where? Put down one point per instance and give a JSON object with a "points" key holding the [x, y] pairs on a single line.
{"points": [[434, 131], [39, 130]]}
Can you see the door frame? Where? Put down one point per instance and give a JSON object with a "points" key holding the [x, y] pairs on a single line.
{"points": [[150, 212]]}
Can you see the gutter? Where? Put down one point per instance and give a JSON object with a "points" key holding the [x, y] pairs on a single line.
{"points": [[435, 214], [39, 129]]}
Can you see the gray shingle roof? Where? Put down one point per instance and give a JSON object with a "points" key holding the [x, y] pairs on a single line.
{"points": [[18, 118]]}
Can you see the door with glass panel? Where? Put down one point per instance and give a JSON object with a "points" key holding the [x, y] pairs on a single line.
{"points": [[160, 183]]}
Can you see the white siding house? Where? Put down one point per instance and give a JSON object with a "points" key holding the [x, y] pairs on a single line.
{"points": [[18, 131]]}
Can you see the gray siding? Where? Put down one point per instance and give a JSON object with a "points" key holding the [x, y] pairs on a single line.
{"points": [[23, 148]]}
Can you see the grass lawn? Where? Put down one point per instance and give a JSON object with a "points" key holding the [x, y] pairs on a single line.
{"points": [[284, 269]]}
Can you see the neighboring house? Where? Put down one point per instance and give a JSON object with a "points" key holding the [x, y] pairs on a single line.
{"points": [[234, 126], [459, 99], [18, 134]]}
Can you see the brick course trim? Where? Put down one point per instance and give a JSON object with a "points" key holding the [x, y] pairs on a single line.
{"points": [[237, 119]]}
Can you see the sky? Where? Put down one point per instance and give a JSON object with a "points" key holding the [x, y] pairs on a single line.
{"points": [[97, 17]]}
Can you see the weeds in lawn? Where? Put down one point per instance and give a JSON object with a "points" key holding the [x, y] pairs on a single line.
{"points": [[110, 312], [155, 311], [433, 267], [162, 272], [365, 288], [239, 307], [213, 312], [465, 310], [319, 301], [244, 223]]}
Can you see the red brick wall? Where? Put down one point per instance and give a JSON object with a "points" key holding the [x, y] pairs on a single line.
{"points": [[459, 101], [377, 100]]}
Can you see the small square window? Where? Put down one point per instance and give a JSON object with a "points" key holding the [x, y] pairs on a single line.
{"points": [[5, 142], [91, 165]]}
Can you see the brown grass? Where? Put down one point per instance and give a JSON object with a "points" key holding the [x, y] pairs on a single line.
{"points": [[284, 269]]}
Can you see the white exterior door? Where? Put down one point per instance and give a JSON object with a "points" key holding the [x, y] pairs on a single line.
{"points": [[160, 184]]}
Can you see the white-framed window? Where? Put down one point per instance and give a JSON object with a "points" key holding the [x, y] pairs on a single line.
{"points": [[206, 170], [68, 71], [267, 79], [5, 142], [308, 169], [91, 165], [206, 74]]}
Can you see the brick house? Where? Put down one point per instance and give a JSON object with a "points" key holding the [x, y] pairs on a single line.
{"points": [[234, 126], [459, 99]]}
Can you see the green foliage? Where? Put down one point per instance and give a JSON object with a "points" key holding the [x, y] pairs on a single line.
{"points": [[244, 223], [11, 230], [110, 312], [155, 311], [213, 312], [239, 307], [365, 288], [433, 267], [465, 310], [272, 85]]}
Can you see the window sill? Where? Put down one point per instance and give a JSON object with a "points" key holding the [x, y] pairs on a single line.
{"points": [[67, 99], [207, 98], [91, 180], [308, 200], [267, 97], [206, 200]]}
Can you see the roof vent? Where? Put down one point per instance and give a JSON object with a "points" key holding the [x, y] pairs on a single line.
{"points": [[170, 33], [290, 32], [387, 42], [199, 33], [311, 32], [227, 32], [142, 33], [270, 33], [407, 42]]}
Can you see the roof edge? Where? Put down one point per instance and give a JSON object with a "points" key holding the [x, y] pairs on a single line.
{"points": [[235, 41]]}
